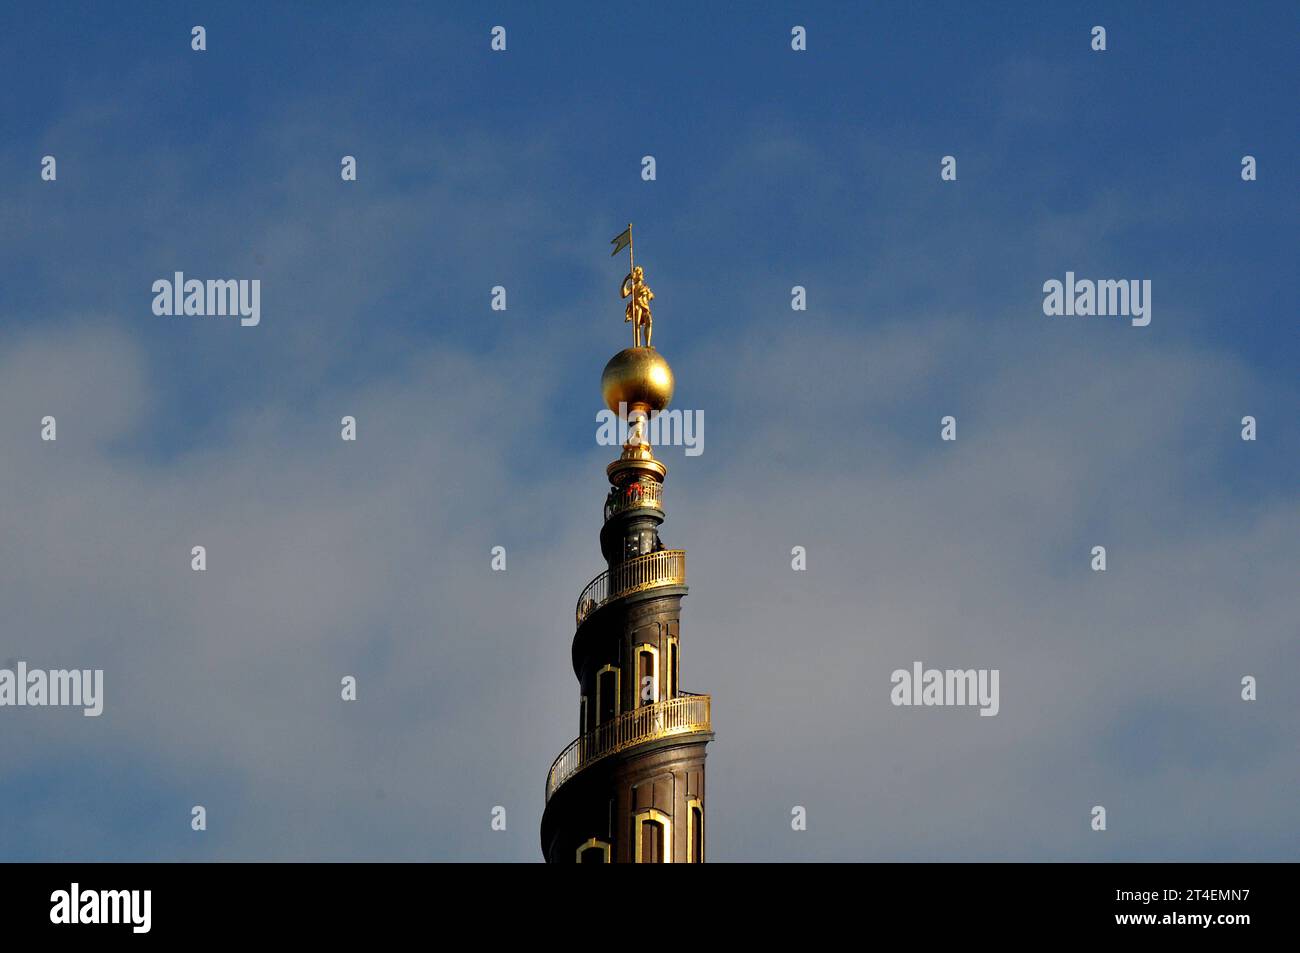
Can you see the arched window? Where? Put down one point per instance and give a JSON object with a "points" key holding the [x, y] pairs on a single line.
{"points": [[594, 851], [647, 666], [695, 832], [607, 689], [674, 667], [653, 833]]}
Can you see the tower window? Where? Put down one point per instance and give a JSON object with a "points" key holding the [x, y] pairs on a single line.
{"points": [[673, 667], [582, 716], [607, 688], [647, 675], [695, 832], [594, 851], [652, 831]]}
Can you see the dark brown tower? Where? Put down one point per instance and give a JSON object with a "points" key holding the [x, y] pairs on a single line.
{"points": [[630, 787]]}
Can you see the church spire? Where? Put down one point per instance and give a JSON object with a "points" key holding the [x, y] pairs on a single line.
{"points": [[630, 787]]}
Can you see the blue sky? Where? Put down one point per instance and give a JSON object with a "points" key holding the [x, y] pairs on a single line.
{"points": [[774, 168]]}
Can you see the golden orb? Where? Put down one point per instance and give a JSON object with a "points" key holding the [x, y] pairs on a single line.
{"points": [[638, 377]]}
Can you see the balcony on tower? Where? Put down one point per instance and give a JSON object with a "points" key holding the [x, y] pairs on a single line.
{"points": [[686, 714], [651, 571], [638, 494]]}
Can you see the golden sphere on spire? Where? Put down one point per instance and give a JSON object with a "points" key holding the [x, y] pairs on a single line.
{"points": [[638, 377]]}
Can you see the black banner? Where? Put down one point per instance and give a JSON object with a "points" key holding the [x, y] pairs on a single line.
{"points": [[139, 902]]}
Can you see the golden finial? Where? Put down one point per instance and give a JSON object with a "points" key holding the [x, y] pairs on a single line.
{"points": [[637, 380], [634, 287]]}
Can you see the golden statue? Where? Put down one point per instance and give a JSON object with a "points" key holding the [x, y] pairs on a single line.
{"points": [[634, 287], [638, 309]]}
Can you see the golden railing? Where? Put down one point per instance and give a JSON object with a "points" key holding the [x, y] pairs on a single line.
{"points": [[676, 716], [634, 496], [666, 568]]}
